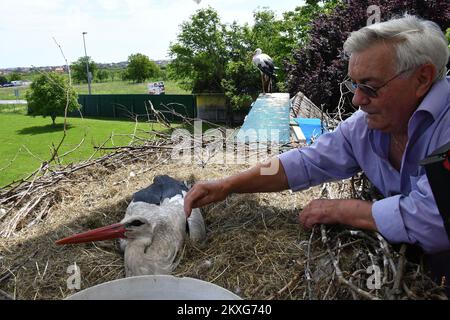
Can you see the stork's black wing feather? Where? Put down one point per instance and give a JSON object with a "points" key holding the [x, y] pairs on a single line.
{"points": [[162, 187], [268, 69]]}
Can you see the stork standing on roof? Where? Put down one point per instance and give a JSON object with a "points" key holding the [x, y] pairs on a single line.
{"points": [[265, 65], [153, 230]]}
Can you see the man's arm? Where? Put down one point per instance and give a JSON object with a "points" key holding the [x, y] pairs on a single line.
{"points": [[270, 177], [356, 213], [264, 177], [414, 218]]}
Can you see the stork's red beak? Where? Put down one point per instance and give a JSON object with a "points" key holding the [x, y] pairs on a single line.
{"points": [[104, 233]]}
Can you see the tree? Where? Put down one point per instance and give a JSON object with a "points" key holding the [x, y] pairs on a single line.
{"points": [[140, 68], [200, 56], [296, 25], [277, 37], [241, 84], [205, 47], [319, 65], [15, 76], [3, 80], [79, 72], [241, 80], [102, 75], [49, 94], [266, 31], [113, 73]]}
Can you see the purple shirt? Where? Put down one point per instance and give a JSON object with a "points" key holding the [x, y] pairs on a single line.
{"points": [[408, 213]]}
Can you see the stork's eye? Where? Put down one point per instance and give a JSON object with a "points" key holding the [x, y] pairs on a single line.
{"points": [[135, 223]]}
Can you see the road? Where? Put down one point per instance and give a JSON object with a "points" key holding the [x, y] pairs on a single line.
{"points": [[13, 101]]}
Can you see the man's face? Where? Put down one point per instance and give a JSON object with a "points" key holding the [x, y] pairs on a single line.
{"points": [[391, 110]]}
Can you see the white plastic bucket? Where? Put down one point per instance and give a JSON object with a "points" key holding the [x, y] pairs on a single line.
{"points": [[156, 287]]}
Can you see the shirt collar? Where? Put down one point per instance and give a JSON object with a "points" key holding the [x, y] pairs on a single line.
{"points": [[437, 98]]}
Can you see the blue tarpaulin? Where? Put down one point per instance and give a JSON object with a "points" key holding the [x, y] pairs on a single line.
{"points": [[268, 120], [311, 127]]}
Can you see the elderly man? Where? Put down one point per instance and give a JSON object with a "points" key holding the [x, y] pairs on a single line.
{"points": [[398, 77]]}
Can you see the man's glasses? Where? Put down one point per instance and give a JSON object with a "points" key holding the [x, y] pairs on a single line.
{"points": [[370, 91]]}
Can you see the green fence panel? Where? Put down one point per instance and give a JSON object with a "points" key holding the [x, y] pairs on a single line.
{"points": [[105, 106], [91, 109], [130, 106], [139, 105], [122, 106]]}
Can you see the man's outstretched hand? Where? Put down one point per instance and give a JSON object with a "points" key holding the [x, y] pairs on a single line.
{"points": [[203, 193]]}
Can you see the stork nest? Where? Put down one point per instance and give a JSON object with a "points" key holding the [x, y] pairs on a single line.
{"points": [[255, 246]]}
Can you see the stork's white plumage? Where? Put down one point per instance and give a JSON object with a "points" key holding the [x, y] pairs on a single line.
{"points": [[153, 230], [267, 68]]}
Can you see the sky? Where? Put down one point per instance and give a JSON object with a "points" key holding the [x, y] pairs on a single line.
{"points": [[33, 31]]}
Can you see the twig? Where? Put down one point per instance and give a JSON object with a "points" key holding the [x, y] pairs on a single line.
{"points": [[5, 296], [400, 271], [294, 280], [338, 271], [307, 268]]}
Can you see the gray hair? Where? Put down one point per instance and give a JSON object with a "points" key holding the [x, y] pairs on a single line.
{"points": [[415, 42]]}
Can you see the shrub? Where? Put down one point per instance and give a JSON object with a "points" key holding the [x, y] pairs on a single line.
{"points": [[49, 95]]}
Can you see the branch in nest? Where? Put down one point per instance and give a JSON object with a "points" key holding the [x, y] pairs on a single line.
{"points": [[338, 271]]}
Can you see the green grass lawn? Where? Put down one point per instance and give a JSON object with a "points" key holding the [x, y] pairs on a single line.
{"points": [[124, 87], [8, 93], [110, 87], [19, 133]]}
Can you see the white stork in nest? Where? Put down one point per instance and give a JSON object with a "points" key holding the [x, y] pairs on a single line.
{"points": [[265, 65], [153, 230]]}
